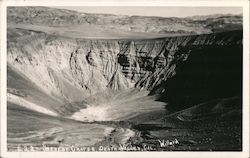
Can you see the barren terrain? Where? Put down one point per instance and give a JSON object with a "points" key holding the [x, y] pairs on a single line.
{"points": [[107, 82]]}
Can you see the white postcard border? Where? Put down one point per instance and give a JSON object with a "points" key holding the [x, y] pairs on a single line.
{"points": [[245, 124]]}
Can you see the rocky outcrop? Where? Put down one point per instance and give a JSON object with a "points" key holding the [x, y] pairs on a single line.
{"points": [[61, 65]]}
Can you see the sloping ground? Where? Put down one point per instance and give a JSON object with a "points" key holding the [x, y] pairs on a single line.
{"points": [[209, 73], [33, 95], [36, 119], [113, 105], [30, 128], [214, 125], [109, 105]]}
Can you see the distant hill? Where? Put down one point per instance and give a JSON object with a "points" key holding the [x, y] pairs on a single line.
{"points": [[125, 25]]}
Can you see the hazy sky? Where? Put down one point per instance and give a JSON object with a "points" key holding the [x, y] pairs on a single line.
{"points": [[158, 11]]}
